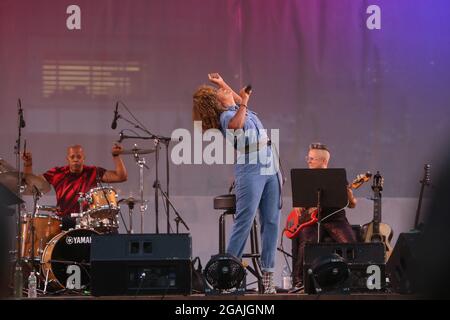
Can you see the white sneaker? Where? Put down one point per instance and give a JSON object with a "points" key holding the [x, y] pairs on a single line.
{"points": [[267, 280]]}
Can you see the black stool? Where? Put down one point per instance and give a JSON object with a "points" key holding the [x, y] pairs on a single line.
{"points": [[227, 202]]}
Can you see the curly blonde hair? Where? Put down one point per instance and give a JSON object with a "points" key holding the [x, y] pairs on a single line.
{"points": [[207, 107]]}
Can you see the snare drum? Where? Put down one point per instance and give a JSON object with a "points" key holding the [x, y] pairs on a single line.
{"points": [[46, 226], [66, 256], [102, 202]]}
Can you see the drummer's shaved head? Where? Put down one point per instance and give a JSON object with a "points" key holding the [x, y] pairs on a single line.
{"points": [[75, 147]]}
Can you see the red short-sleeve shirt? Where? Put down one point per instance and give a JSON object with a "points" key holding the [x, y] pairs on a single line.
{"points": [[68, 185]]}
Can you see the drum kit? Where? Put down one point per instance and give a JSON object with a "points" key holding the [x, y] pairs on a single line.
{"points": [[47, 249]]}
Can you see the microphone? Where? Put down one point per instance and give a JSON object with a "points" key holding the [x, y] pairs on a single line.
{"points": [[21, 120], [232, 186], [248, 89], [116, 116], [121, 137]]}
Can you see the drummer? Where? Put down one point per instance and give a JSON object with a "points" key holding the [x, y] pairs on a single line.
{"points": [[77, 177]]}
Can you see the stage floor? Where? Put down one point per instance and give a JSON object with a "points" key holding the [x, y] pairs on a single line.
{"points": [[279, 296]]}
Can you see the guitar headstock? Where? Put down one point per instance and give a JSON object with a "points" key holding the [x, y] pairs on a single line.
{"points": [[360, 179], [378, 181], [426, 175]]}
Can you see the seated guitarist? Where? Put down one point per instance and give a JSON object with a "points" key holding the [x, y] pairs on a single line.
{"points": [[336, 225]]}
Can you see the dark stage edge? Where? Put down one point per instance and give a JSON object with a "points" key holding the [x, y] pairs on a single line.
{"points": [[194, 297]]}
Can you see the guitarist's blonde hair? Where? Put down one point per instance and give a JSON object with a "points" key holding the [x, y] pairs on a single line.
{"points": [[321, 150]]}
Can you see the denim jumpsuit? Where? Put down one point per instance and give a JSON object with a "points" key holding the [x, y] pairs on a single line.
{"points": [[255, 188]]}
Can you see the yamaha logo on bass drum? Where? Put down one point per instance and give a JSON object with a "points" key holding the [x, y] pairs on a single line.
{"points": [[78, 240]]}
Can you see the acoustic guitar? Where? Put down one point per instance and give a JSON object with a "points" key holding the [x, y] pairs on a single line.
{"points": [[377, 231]]}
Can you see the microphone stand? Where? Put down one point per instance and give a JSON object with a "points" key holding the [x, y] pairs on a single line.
{"points": [[156, 185], [178, 219], [36, 196], [18, 276]]}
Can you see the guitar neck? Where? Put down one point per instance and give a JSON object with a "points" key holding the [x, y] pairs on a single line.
{"points": [[419, 206], [377, 212], [424, 182]]}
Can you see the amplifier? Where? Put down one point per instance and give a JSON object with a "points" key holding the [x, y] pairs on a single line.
{"points": [[365, 262], [402, 266], [137, 264]]}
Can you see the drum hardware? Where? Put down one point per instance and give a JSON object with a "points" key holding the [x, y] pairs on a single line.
{"points": [[79, 216], [22, 184], [18, 276], [69, 248], [140, 162], [156, 185], [41, 228], [130, 203], [47, 208], [29, 182], [136, 151], [104, 216], [102, 202], [101, 211], [46, 281], [157, 140], [36, 196]]}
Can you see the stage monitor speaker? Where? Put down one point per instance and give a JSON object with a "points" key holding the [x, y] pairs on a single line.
{"points": [[402, 264], [136, 264], [358, 256]]}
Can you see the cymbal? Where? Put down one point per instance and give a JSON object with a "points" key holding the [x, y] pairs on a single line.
{"points": [[131, 200], [31, 182], [35, 181], [48, 208], [138, 151], [5, 166]]}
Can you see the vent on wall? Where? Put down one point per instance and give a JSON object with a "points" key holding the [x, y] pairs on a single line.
{"points": [[90, 78]]}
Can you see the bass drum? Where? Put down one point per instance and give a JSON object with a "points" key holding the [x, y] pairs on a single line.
{"points": [[65, 257]]}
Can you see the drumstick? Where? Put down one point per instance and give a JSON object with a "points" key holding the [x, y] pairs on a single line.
{"points": [[25, 147]]}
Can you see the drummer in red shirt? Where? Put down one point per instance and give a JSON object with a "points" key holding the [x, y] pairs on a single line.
{"points": [[75, 178]]}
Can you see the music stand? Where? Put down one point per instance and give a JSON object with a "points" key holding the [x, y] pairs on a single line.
{"points": [[321, 188]]}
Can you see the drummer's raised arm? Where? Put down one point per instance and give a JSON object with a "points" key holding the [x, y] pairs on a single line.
{"points": [[27, 162], [120, 172]]}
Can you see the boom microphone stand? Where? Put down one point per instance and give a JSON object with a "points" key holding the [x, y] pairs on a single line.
{"points": [[18, 276], [158, 140]]}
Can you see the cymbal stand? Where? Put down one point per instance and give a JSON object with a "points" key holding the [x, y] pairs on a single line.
{"points": [[130, 215], [141, 164], [46, 282], [157, 140], [36, 196], [79, 219]]}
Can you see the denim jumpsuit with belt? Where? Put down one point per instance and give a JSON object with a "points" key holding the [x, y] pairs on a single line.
{"points": [[257, 186]]}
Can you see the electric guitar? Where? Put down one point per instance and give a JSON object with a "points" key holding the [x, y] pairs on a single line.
{"points": [[300, 218], [376, 231]]}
